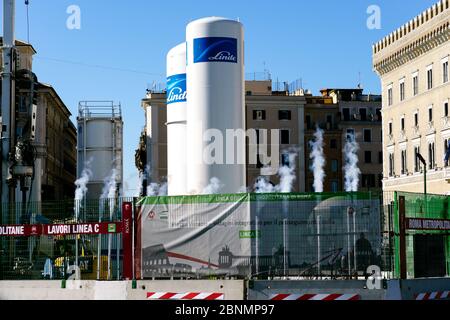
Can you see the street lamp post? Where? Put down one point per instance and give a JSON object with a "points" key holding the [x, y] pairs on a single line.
{"points": [[422, 159]]}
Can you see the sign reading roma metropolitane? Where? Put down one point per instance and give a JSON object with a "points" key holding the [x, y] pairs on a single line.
{"points": [[427, 224]]}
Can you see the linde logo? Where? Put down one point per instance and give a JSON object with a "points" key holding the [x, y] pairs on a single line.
{"points": [[223, 56], [215, 49], [176, 95], [176, 89]]}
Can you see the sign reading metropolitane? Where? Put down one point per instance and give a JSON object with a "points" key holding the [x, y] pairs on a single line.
{"points": [[427, 224], [60, 229]]}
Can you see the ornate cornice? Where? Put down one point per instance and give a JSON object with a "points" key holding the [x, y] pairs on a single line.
{"points": [[414, 49]]}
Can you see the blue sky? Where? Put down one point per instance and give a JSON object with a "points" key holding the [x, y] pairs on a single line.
{"points": [[324, 42]]}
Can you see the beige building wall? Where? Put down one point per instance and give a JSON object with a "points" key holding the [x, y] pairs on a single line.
{"points": [[156, 130], [416, 47], [272, 105]]}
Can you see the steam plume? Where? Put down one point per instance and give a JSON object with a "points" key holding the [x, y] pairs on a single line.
{"points": [[214, 187], [352, 171], [318, 160]]}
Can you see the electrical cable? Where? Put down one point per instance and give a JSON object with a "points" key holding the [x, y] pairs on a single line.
{"points": [[98, 66]]}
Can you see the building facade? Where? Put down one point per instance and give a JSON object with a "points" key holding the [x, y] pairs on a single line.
{"points": [[296, 115], [321, 112], [268, 110], [360, 115], [56, 145], [412, 63]]}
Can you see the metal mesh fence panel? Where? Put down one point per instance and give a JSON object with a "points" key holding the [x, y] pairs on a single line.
{"points": [[49, 240], [303, 236]]}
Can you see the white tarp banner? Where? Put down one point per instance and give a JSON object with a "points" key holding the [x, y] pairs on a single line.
{"points": [[248, 234]]}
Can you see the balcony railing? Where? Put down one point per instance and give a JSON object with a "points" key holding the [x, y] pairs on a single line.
{"points": [[402, 137], [447, 173], [430, 128], [390, 139], [445, 123], [416, 132]]}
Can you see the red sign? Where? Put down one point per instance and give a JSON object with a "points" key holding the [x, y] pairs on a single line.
{"points": [[427, 224], [60, 229], [127, 212], [15, 231]]}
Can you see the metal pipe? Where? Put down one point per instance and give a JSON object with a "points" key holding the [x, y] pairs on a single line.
{"points": [[76, 242], [99, 245], [348, 244], [318, 245], [425, 188], [257, 245], [111, 212], [117, 255], [285, 244], [354, 242], [132, 238]]}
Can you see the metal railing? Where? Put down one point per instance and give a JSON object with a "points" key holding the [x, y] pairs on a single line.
{"points": [[99, 109], [258, 76]]}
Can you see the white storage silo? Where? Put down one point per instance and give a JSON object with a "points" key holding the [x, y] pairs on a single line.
{"points": [[176, 121], [215, 82], [100, 144]]}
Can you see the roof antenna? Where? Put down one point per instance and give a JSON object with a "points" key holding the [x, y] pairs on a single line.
{"points": [[359, 80], [27, 2]]}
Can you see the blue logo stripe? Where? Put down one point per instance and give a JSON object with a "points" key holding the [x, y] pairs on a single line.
{"points": [[215, 49]]}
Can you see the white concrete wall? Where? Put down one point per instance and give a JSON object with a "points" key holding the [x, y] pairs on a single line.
{"points": [[113, 290], [232, 289]]}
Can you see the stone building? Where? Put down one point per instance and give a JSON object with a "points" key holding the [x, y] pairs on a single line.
{"points": [[412, 63]]}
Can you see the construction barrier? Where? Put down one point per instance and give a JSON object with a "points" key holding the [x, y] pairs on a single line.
{"points": [[185, 296], [433, 295], [314, 297], [330, 290], [259, 235]]}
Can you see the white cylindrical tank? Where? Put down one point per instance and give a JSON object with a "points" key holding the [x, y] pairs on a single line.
{"points": [[100, 145], [215, 82], [176, 121]]}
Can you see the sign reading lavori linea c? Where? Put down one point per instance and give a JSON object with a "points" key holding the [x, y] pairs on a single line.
{"points": [[427, 224], [60, 229]]}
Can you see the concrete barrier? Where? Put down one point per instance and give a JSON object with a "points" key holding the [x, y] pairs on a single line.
{"points": [[231, 289], [114, 290], [46, 290], [265, 289], [410, 288]]}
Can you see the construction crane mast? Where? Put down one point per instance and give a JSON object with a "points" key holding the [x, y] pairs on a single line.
{"points": [[8, 103], [18, 121]]}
